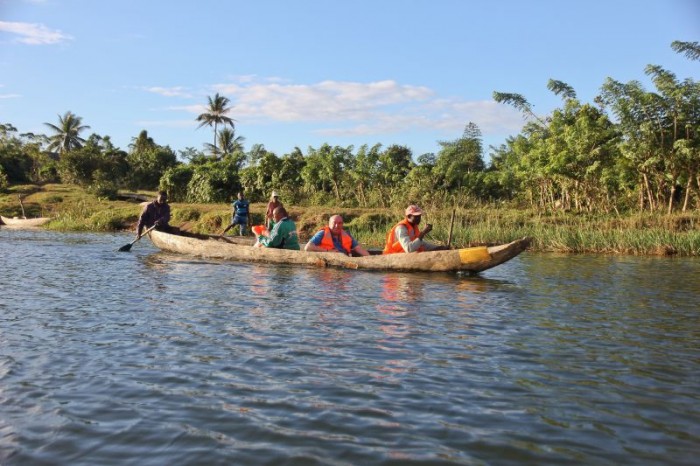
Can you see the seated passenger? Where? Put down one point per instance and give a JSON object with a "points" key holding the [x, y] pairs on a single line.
{"points": [[334, 239], [283, 235], [405, 236]]}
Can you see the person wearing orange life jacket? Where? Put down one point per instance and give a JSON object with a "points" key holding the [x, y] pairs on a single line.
{"points": [[405, 236], [334, 239]]}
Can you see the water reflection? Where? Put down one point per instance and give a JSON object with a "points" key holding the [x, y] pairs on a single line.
{"points": [[401, 288], [108, 358]]}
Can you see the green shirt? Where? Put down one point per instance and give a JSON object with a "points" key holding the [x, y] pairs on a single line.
{"points": [[283, 236]]}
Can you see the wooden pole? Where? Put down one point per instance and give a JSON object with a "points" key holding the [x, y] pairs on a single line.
{"points": [[452, 225], [21, 205]]}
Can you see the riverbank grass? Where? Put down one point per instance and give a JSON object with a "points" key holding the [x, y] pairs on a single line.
{"points": [[73, 209]]}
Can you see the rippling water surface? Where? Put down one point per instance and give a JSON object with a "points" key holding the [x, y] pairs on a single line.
{"points": [[151, 358]]}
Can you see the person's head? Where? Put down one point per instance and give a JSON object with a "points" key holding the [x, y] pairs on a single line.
{"points": [[413, 214], [279, 213], [274, 197], [162, 197], [240, 196], [335, 223]]}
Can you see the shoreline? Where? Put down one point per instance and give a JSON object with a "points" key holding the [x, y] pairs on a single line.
{"points": [[650, 234]]}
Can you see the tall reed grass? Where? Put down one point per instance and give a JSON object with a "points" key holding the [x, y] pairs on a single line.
{"points": [[71, 208]]}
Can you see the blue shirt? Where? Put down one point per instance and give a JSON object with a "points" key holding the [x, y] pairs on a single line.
{"points": [[318, 237], [240, 208]]}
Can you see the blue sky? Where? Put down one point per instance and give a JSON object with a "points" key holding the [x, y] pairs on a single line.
{"points": [[307, 72]]}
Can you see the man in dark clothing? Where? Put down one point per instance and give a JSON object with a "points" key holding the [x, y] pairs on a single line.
{"points": [[156, 213]]}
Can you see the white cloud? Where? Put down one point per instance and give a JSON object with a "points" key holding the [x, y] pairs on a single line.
{"points": [[176, 91], [323, 101], [33, 33], [352, 109], [10, 96], [359, 109]]}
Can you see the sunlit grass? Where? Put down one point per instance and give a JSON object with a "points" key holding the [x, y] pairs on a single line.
{"points": [[72, 209]]}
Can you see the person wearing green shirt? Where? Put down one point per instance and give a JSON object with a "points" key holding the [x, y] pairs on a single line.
{"points": [[284, 234]]}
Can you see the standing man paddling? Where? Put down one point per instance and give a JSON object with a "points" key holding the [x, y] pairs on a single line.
{"points": [[156, 213]]}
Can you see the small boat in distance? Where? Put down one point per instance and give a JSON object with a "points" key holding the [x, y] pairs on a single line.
{"points": [[472, 260], [16, 222]]}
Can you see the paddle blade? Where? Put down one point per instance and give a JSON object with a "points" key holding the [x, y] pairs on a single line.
{"points": [[126, 247]]}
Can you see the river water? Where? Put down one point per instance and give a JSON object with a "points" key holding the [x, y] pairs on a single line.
{"points": [[149, 358]]}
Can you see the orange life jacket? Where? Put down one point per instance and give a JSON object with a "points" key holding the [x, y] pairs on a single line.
{"points": [[393, 246], [328, 245]]}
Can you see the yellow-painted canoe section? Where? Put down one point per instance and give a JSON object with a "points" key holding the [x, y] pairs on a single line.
{"points": [[469, 255]]}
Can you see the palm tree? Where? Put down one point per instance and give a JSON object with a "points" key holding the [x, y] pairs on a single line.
{"points": [[216, 114], [228, 143], [67, 135]]}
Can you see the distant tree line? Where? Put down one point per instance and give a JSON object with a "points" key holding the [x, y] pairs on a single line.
{"points": [[628, 149]]}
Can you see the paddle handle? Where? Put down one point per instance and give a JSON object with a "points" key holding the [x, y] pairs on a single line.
{"points": [[143, 234]]}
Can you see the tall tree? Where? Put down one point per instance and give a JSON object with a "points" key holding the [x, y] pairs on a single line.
{"points": [[142, 142], [148, 161], [67, 131], [228, 143], [365, 171], [217, 108], [458, 160], [325, 168]]}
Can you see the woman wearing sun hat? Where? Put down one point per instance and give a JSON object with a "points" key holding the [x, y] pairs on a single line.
{"points": [[271, 206], [405, 236]]}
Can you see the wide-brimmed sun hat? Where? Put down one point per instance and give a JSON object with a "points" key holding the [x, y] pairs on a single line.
{"points": [[274, 194], [414, 210]]}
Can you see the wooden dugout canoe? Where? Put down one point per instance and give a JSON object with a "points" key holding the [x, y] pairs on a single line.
{"points": [[23, 222], [474, 259]]}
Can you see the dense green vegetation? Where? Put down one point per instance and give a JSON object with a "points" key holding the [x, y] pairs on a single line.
{"points": [[577, 179], [73, 208]]}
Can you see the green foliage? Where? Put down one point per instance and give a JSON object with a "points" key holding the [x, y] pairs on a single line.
{"points": [[214, 182], [77, 166], [175, 182], [103, 185], [148, 165], [458, 161], [325, 169], [260, 177], [4, 183], [15, 163], [97, 166], [185, 214], [631, 148], [288, 176]]}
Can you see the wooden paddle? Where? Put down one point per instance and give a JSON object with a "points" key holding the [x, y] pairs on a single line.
{"points": [[225, 230], [127, 247]]}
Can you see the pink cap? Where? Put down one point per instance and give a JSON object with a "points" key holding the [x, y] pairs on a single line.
{"points": [[413, 210]]}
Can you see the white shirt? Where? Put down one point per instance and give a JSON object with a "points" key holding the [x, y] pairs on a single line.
{"points": [[401, 234]]}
